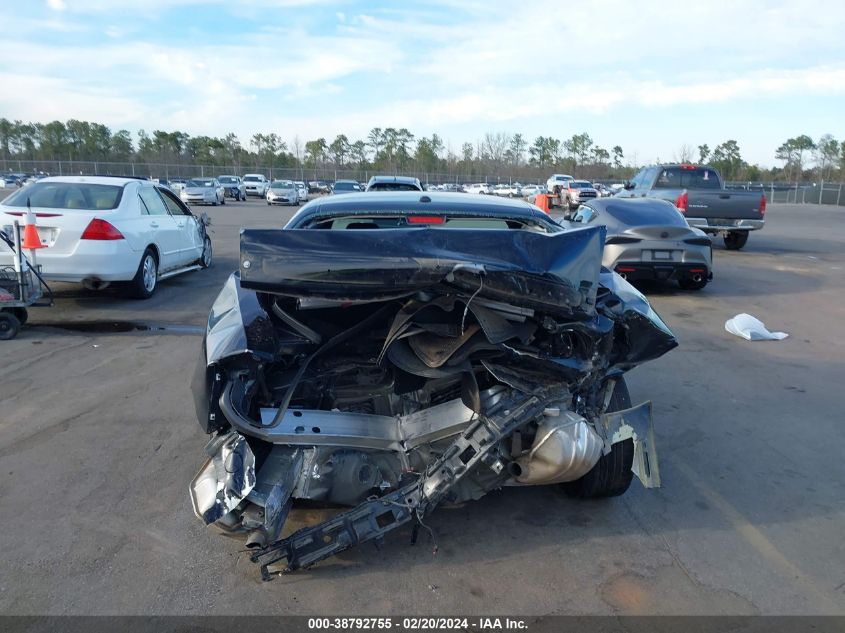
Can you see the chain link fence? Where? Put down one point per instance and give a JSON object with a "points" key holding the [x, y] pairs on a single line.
{"points": [[776, 192]]}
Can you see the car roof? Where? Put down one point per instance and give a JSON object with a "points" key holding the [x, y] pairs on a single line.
{"points": [[635, 211], [96, 180], [417, 202]]}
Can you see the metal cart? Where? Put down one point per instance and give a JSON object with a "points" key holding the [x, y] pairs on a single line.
{"points": [[21, 286]]}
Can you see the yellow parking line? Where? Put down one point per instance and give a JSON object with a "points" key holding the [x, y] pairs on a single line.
{"points": [[758, 540]]}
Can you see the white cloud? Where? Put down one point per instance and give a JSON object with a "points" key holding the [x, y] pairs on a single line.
{"points": [[57, 5]]}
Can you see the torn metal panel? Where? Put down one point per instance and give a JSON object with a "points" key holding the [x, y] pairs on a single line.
{"points": [[556, 271], [225, 479], [636, 424]]}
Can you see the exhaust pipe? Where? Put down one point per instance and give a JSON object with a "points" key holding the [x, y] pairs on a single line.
{"points": [[623, 275], [697, 277], [95, 284], [257, 539]]}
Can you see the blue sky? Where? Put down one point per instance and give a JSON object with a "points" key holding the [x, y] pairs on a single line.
{"points": [[649, 76]]}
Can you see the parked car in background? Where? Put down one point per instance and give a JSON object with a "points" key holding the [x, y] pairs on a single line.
{"points": [[578, 191], [302, 189], [203, 191], [177, 184], [106, 229], [479, 187], [233, 187], [526, 191], [557, 183], [12, 180], [256, 185], [283, 192], [508, 191], [346, 186], [698, 192], [602, 190], [650, 239], [394, 183]]}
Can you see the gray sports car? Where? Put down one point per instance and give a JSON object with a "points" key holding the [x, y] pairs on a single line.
{"points": [[650, 239]]}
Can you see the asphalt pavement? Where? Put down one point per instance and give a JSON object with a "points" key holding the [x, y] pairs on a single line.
{"points": [[98, 441]]}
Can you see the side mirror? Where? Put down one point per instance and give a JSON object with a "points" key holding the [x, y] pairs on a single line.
{"points": [[204, 219]]}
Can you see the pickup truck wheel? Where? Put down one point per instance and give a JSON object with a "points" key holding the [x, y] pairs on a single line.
{"points": [[612, 475], [735, 240]]}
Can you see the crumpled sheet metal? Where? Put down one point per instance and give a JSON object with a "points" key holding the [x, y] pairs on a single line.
{"points": [[752, 329], [225, 479], [557, 270]]}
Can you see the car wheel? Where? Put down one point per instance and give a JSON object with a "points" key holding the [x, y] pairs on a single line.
{"points": [[9, 326], [612, 474], [205, 259], [144, 282], [735, 240], [223, 200]]}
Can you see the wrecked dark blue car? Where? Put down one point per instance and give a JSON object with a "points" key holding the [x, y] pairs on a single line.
{"points": [[394, 351]]}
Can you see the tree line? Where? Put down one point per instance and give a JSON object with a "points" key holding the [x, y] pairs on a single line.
{"points": [[397, 150]]}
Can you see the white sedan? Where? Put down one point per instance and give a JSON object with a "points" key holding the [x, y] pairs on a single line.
{"points": [[102, 229]]}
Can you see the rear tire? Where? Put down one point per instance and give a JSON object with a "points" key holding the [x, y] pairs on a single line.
{"points": [[9, 326], [145, 281], [612, 474], [735, 240]]}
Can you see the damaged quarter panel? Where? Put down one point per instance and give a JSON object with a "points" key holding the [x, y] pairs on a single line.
{"points": [[391, 352]]}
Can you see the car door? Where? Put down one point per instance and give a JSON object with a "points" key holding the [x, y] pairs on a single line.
{"points": [[190, 238], [165, 233]]}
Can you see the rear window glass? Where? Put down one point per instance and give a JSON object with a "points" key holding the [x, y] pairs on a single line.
{"points": [[346, 186], [401, 222], [392, 186], [681, 178], [67, 195]]}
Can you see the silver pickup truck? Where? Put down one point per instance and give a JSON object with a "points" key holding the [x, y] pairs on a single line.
{"points": [[700, 194]]}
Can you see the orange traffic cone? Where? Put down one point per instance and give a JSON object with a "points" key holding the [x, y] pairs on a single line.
{"points": [[31, 241]]}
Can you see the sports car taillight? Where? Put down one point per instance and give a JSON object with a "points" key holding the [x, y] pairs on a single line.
{"points": [[763, 204], [682, 202], [99, 229], [699, 241]]}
